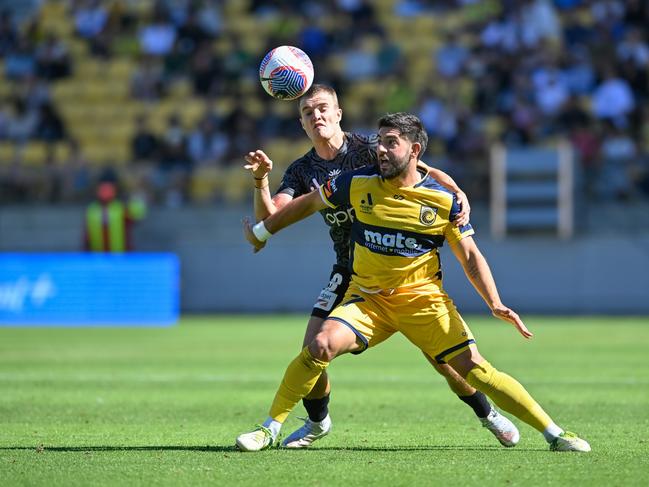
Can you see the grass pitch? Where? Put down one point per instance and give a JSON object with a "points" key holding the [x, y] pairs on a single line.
{"points": [[118, 406]]}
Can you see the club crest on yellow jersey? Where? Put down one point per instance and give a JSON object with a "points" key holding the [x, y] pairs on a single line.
{"points": [[427, 215]]}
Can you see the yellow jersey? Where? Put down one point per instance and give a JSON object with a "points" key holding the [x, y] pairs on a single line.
{"points": [[396, 232]]}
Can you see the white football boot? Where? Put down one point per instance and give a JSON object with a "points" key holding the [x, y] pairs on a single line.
{"points": [[568, 441], [309, 432], [502, 428], [259, 439]]}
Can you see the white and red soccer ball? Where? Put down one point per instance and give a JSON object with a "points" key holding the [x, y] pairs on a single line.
{"points": [[286, 73]]}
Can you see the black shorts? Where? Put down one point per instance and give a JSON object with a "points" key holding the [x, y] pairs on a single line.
{"points": [[333, 294]]}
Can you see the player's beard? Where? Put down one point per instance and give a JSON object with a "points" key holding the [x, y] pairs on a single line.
{"points": [[394, 167]]}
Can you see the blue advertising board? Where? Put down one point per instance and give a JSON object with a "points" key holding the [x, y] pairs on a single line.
{"points": [[88, 289]]}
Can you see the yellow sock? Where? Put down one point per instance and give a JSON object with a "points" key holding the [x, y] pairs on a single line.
{"points": [[508, 394], [299, 378], [320, 388]]}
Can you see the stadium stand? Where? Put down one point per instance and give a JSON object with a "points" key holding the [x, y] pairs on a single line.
{"points": [[523, 73]]}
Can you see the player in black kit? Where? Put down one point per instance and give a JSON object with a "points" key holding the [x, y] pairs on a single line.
{"points": [[334, 152]]}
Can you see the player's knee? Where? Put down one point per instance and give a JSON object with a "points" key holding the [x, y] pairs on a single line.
{"points": [[323, 348], [467, 360]]}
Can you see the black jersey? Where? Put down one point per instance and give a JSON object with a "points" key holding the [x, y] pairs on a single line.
{"points": [[309, 171]]}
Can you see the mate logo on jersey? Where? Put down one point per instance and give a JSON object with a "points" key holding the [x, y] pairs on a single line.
{"points": [[427, 215], [391, 241]]}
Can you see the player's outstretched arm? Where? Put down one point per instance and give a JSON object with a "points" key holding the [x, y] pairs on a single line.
{"points": [[294, 211], [260, 166], [477, 270], [447, 181]]}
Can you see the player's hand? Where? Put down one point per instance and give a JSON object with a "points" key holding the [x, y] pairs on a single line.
{"points": [[463, 216], [504, 313], [250, 236], [259, 164]]}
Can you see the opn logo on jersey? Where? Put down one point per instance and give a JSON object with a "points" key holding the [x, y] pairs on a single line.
{"points": [[339, 217]]}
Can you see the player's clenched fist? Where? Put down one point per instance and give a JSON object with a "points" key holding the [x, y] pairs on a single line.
{"points": [[250, 236]]}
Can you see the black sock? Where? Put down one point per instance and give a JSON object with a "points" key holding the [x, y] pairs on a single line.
{"points": [[317, 408], [478, 403]]}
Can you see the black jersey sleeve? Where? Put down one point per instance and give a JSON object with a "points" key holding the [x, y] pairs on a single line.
{"points": [[291, 182]]}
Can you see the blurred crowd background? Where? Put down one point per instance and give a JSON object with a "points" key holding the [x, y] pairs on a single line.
{"points": [[163, 96]]}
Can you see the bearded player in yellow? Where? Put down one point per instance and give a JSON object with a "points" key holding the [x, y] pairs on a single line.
{"points": [[402, 217]]}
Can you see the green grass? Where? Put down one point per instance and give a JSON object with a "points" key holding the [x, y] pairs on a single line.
{"points": [[163, 406]]}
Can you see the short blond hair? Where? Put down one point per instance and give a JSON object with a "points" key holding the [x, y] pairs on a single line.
{"points": [[317, 88]]}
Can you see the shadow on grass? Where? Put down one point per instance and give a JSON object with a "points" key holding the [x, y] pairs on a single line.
{"points": [[43, 448], [221, 448]]}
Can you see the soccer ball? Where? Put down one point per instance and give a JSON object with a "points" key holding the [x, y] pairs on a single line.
{"points": [[286, 72]]}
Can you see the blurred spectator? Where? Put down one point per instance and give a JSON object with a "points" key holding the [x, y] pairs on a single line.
{"points": [[108, 221], [145, 146], [191, 33], [636, 14], [618, 153], [20, 62], [207, 145], [147, 82], [90, 18], [205, 71], [237, 64], [613, 98], [50, 127], [52, 59], [78, 175], [314, 40], [575, 31], [5, 119], [451, 57], [573, 115], [209, 18], [409, 8], [361, 62], [586, 143], [577, 71], [241, 131], [158, 37], [8, 33], [539, 20], [22, 122], [524, 122], [174, 164], [551, 91], [634, 48]]}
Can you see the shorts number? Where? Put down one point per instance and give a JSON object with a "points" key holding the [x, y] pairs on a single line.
{"points": [[336, 280]]}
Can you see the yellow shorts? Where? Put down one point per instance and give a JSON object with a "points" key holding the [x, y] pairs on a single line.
{"points": [[427, 317]]}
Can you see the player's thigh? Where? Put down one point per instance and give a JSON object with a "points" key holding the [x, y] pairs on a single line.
{"points": [[364, 316], [313, 327], [436, 328]]}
